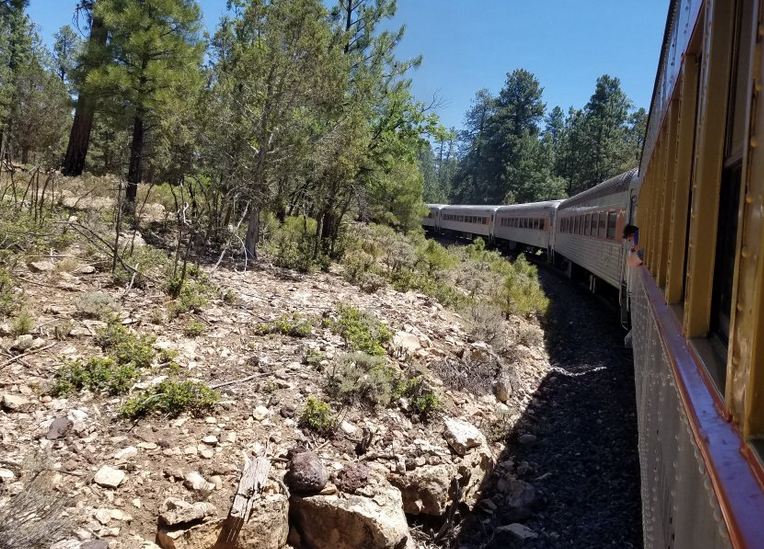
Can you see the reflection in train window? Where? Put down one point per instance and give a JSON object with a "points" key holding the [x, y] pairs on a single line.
{"points": [[612, 217], [602, 222]]}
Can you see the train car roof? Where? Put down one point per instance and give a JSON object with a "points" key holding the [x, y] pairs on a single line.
{"points": [[619, 183], [436, 206], [472, 207], [545, 205]]}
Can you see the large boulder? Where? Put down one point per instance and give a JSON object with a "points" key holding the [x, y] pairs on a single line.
{"points": [[405, 344], [267, 528], [427, 490], [371, 518], [462, 436]]}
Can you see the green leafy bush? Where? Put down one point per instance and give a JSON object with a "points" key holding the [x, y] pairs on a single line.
{"points": [[22, 323], [318, 416], [521, 293], [171, 398], [97, 374], [294, 244], [362, 378], [361, 330], [289, 325], [146, 259], [424, 402], [126, 347], [313, 357], [98, 305], [194, 328], [8, 301]]}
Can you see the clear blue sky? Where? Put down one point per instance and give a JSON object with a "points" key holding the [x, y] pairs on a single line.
{"points": [[470, 44]]}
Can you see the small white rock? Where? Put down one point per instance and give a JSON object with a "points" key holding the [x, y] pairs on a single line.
{"points": [[109, 477], [210, 440], [126, 453], [260, 413]]}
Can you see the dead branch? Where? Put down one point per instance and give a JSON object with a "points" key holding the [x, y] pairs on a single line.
{"points": [[237, 381], [27, 353]]}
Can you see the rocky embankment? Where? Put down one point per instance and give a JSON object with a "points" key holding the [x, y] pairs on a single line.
{"points": [[383, 478]]}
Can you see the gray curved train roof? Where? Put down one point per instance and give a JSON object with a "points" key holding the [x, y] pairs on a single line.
{"points": [[614, 185]]}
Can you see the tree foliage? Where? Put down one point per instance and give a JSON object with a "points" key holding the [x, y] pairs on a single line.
{"points": [[507, 157]]}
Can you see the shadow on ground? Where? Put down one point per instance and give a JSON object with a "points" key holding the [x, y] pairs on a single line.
{"points": [[570, 472]]}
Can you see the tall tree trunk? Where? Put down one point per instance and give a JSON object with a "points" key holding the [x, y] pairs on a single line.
{"points": [[79, 137], [253, 233], [136, 158]]}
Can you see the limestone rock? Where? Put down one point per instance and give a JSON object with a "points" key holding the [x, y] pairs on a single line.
{"points": [[405, 344], [462, 436], [109, 477], [518, 531], [126, 453], [260, 413], [503, 390], [306, 475], [193, 480], [175, 511], [23, 343], [267, 528], [350, 521], [41, 266], [425, 489], [16, 403]]}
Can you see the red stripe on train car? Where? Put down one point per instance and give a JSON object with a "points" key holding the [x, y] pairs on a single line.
{"points": [[735, 474]]}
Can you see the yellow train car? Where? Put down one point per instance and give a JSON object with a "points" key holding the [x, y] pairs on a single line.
{"points": [[697, 302]]}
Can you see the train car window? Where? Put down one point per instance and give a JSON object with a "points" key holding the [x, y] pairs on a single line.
{"points": [[602, 222], [536, 224], [575, 225], [581, 221], [724, 265], [542, 222], [485, 221], [612, 218]]}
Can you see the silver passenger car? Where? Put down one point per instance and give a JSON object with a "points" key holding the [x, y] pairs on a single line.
{"points": [[527, 224], [432, 219], [589, 228], [468, 220]]}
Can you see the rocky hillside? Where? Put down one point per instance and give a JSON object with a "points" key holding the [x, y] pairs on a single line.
{"points": [[127, 415]]}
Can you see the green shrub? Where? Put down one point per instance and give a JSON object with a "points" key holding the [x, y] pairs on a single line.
{"points": [[361, 330], [360, 377], [313, 357], [98, 305], [97, 374], [193, 328], [521, 292], [293, 244], [318, 416], [171, 398], [190, 296], [426, 405], [147, 260], [23, 323], [424, 402], [124, 346], [289, 325], [8, 300]]}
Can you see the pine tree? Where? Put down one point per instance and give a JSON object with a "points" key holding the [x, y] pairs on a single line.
{"points": [[154, 51], [93, 56], [66, 51]]}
